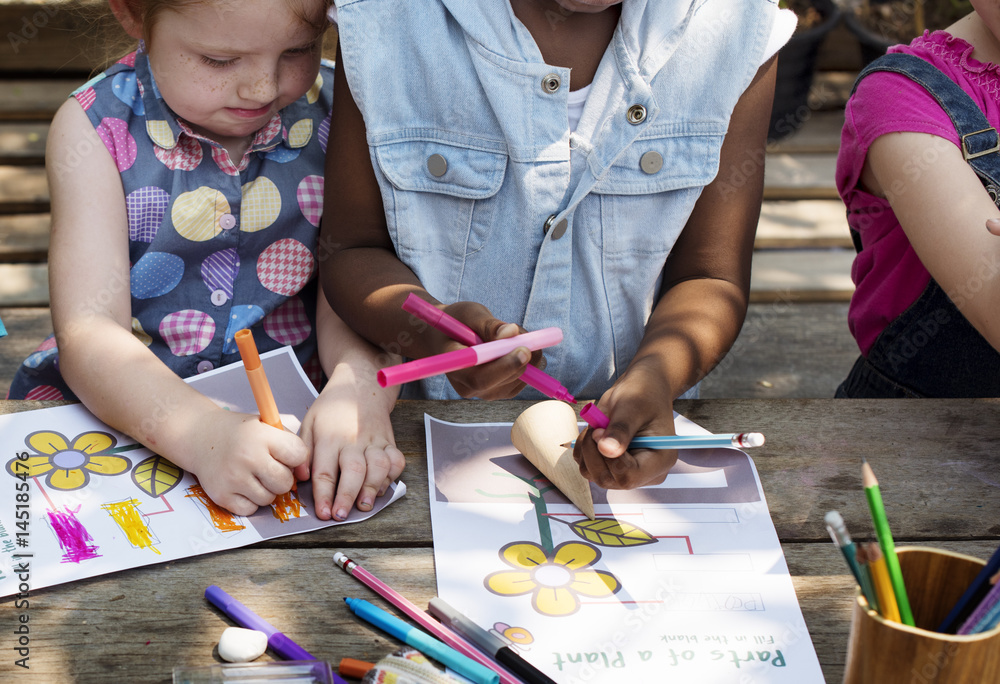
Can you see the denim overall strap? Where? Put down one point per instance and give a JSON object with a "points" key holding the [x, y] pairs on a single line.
{"points": [[931, 349]]}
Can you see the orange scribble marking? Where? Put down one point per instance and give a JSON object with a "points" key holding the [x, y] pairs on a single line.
{"points": [[127, 516], [223, 520], [287, 506]]}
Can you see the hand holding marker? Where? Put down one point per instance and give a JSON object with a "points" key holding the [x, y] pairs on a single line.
{"points": [[465, 358], [460, 332]]}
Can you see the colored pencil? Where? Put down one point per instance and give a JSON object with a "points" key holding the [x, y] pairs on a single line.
{"points": [[883, 585], [972, 596], [979, 619], [884, 534], [736, 440], [865, 580]]}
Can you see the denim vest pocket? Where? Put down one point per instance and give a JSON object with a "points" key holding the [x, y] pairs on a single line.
{"points": [[457, 185], [675, 166]]}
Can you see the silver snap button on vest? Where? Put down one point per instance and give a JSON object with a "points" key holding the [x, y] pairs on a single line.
{"points": [[651, 162], [437, 165], [551, 83], [636, 114], [558, 230]]}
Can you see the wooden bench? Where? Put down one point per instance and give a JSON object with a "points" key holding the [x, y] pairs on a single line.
{"points": [[801, 276]]}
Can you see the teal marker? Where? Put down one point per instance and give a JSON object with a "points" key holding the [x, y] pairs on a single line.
{"points": [[423, 642]]}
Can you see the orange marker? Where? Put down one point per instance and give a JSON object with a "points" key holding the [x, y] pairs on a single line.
{"points": [[258, 380], [355, 669]]}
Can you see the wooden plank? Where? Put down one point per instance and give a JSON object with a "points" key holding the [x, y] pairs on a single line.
{"points": [[801, 274], [803, 223], [23, 190], [23, 143], [819, 132], [24, 237], [24, 285], [786, 349], [35, 99], [69, 36], [56, 35], [799, 176]]}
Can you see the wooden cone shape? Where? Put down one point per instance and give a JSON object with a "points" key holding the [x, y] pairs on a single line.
{"points": [[539, 433]]}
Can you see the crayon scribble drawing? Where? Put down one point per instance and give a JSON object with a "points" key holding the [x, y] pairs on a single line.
{"points": [[133, 523], [221, 519], [110, 504], [287, 506], [76, 542]]}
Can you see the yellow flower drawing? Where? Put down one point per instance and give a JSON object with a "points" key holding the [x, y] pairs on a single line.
{"points": [[554, 581], [69, 466]]}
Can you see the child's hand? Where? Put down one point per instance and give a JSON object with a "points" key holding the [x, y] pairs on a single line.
{"points": [[243, 463], [634, 404], [498, 379], [349, 435]]}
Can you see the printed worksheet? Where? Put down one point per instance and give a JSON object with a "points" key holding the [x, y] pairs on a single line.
{"points": [[680, 582], [78, 499]]}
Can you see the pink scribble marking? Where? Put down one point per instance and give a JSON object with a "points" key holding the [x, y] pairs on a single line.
{"points": [[73, 537]]}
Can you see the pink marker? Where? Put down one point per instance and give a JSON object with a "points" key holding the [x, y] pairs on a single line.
{"points": [[460, 332], [594, 416], [465, 358]]}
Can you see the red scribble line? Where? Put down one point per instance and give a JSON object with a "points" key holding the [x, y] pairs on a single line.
{"points": [[170, 509], [686, 538], [42, 490]]}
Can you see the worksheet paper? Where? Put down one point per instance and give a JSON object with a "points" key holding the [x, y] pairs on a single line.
{"points": [[680, 582], [78, 499]]}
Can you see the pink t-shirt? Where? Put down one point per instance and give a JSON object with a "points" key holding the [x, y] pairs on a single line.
{"points": [[887, 273]]}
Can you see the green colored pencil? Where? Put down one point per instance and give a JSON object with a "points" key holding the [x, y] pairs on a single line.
{"points": [[885, 542]]}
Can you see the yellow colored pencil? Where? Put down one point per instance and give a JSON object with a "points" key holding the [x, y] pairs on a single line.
{"points": [[884, 594]]}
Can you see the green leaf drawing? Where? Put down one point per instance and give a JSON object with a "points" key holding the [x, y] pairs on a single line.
{"points": [[156, 476]]}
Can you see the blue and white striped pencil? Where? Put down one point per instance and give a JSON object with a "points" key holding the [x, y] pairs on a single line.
{"points": [[737, 440]]}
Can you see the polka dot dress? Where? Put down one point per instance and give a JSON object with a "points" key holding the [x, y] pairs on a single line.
{"points": [[216, 245]]}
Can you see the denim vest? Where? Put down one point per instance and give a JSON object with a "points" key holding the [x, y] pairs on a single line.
{"points": [[488, 195], [931, 349]]}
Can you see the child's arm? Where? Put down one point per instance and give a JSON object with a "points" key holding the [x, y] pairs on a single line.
{"points": [[241, 462], [941, 204], [347, 429], [365, 281], [703, 301]]}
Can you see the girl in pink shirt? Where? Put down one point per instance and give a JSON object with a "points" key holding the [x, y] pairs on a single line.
{"points": [[923, 313]]}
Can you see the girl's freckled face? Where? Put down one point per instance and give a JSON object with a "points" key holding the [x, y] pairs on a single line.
{"points": [[227, 66]]}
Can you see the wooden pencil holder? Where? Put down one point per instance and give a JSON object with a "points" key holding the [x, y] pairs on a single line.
{"points": [[881, 651]]}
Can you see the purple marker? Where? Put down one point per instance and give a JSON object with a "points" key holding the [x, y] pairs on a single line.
{"points": [[244, 617], [464, 358], [460, 332]]}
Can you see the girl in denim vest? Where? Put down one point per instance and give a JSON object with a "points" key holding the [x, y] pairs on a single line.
{"points": [[186, 188], [587, 164]]}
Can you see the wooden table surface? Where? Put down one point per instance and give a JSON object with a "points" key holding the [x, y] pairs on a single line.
{"points": [[936, 461]]}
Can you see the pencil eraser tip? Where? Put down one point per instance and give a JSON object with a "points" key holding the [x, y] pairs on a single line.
{"points": [[833, 518]]}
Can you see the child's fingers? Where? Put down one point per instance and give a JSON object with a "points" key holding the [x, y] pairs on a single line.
{"points": [[288, 449], [237, 504], [353, 467], [377, 467], [324, 480], [499, 379]]}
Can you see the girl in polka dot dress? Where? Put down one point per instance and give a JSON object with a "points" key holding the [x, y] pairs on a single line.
{"points": [[187, 189]]}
